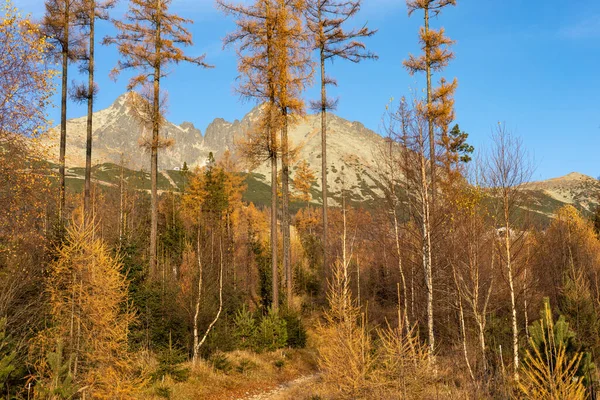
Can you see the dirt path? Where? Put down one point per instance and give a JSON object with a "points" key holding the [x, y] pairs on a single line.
{"points": [[283, 391]]}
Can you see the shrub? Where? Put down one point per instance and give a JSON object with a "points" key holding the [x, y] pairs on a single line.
{"points": [[220, 362]]}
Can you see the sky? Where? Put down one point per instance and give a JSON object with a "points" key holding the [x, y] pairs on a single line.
{"points": [[531, 65]]}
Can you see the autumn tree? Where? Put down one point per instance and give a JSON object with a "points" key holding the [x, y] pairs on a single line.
{"points": [[59, 26], [89, 322], [26, 87], [304, 177], [436, 56], [293, 71], [326, 20], [149, 40], [256, 51], [507, 169]]}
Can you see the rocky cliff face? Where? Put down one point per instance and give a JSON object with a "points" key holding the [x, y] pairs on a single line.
{"points": [[117, 138]]}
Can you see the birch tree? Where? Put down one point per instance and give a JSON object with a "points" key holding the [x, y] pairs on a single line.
{"points": [[150, 39], [507, 170]]}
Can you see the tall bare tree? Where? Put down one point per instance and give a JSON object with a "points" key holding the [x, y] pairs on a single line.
{"points": [[149, 40], [58, 25], [508, 168], [87, 13], [326, 20]]}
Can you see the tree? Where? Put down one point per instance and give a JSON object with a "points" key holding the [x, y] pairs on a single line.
{"points": [[326, 21], [435, 58], [149, 40], [87, 12], [507, 170], [293, 70], [257, 59], [303, 181], [58, 26], [213, 194], [89, 320]]}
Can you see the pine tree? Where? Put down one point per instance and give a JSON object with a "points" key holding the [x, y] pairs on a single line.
{"points": [[149, 40], [326, 21]]}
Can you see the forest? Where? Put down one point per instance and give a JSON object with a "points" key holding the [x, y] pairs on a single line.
{"points": [[449, 288]]}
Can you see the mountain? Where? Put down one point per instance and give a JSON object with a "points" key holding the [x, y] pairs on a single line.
{"points": [[352, 148], [117, 137], [352, 158]]}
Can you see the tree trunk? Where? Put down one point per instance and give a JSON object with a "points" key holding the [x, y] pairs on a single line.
{"points": [[214, 321], [198, 299], [63, 115], [154, 156], [87, 212], [274, 267], [426, 247], [285, 178], [509, 270], [324, 159]]}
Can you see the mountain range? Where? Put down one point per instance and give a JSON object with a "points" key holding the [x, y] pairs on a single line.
{"points": [[352, 156]]}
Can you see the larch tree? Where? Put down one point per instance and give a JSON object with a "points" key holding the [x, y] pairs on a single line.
{"points": [[58, 25], [90, 316], [304, 177], [256, 51], [149, 40], [87, 13], [326, 20], [436, 56], [293, 71]]}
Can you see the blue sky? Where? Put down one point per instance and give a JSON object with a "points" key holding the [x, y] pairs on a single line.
{"points": [[530, 64]]}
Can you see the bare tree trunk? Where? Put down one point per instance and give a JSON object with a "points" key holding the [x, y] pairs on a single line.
{"points": [[63, 114], [274, 266], [285, 177], [154, 156], [87, 212], [509, 270], [198, 299], [214, 321], [324, 158], [426, 247], [401, 269]]}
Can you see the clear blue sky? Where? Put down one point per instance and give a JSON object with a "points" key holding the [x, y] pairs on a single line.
{"points": [[533, 65]]}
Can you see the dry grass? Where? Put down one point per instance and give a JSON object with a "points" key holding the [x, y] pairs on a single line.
{"points": [[249, 373]]}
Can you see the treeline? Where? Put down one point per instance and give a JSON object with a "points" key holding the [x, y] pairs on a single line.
{"points": [[436, 294]]}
